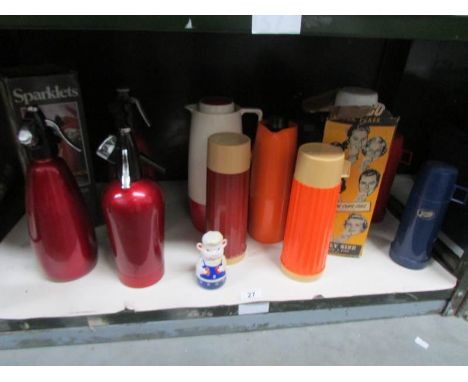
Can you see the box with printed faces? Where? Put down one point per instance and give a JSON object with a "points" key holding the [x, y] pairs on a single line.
{"points": [[365, 135]]}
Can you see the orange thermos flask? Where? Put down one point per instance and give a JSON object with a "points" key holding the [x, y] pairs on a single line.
{"points": [[273, 160], [312, 208]]}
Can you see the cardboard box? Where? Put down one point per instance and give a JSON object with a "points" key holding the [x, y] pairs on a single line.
{"points": [[365, 134], [57, 93]]}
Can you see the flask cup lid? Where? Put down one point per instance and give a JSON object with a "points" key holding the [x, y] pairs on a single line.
{"points": [[229, 153], [320, 165]]}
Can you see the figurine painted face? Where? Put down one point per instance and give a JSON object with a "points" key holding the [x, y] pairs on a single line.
{"points": [[212, 246]]}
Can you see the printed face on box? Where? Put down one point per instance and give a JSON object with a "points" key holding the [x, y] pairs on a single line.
{"points": [[368, 182], [358, 138], [355, 225], [375, 148]]}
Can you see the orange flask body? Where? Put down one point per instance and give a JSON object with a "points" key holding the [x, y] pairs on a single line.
{"points": [[272, 170], [312, 209]]}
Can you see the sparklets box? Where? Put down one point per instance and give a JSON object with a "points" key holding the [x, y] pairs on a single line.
{"points": [[57, 93]]}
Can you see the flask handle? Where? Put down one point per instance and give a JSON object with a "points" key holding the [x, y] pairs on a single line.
{"points": [[464, 191], [251, 110]]}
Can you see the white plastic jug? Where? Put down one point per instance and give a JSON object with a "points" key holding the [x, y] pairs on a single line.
{"points": [[211, 115]]}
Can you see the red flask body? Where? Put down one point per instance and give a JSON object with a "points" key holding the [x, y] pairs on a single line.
{"points": [[227, 191], [60, 229], [135, 222], [227, 209]]}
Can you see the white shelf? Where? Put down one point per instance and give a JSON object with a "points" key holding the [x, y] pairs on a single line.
{"points": [[26, 293]]}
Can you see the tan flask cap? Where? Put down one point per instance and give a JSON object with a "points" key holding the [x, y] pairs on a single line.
{"points": [[320, 165], [229, 153]]}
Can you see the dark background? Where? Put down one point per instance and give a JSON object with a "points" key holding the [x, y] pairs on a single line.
{"points": [[169, 70], [423, 82]]}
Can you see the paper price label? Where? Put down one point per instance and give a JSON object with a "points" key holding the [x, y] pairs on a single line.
{"points": [[251, 295]]}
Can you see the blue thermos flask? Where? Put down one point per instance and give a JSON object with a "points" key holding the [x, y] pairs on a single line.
{"points": [[423, 215]]}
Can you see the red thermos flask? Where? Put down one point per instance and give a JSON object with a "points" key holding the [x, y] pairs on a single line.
{"points": [[133, 209], [60, 229], [227, 191], [394, 158]]}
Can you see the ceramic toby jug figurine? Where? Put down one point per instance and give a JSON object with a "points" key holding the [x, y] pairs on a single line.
{"points": [[211, 267], [211, 115]]}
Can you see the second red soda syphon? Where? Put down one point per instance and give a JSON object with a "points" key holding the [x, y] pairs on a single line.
{"points": [[133, 209]]}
